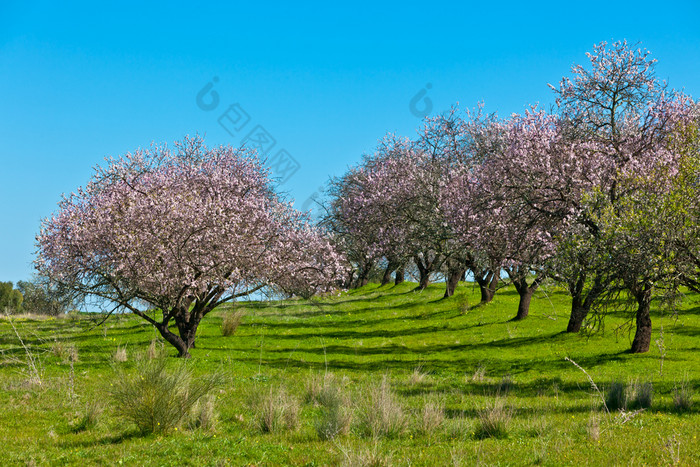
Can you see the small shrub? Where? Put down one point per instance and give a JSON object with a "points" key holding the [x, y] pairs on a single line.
{"points": [[156, 349], [364, 457], [66, 352], [417, 377], [458, 427], [277, 410], [641, 394], [335, 417], [505, 385], [682, 396], [231, 322], [120, 355], [204, 415], [90, 418], [463, 303], [479, 374], [593, 427], [432, 417], [494, 420], [382, 416], [158, 399], [616, 397]]}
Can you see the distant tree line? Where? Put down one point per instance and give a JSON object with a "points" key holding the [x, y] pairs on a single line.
{"points": [[36, 296]]}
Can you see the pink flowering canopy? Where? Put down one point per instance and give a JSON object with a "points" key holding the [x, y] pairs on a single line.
{"points": [[182, 231]]}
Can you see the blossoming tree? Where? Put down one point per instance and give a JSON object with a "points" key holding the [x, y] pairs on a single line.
{"points": [[169, 235]]}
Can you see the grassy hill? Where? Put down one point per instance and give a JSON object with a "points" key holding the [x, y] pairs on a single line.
{"points": [[410, 379]]}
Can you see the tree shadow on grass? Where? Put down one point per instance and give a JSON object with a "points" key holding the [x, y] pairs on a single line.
{"points": [[105, 440], [687, 330], [398, 357]]}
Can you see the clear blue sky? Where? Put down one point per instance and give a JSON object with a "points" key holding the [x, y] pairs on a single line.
{"points": [[80, 81]]}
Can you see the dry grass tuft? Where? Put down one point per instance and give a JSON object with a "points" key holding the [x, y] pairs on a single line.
{"points": [[276, 411], [479, 375], [90, 417], [231, 322], [204, 415], [364, 457], [120, 354], [336, 415], [418, 377], [382, 415], [432, 417], [593, 426], [66, 352], [494, 420]]}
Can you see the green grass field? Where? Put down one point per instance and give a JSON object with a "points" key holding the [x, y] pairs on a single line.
{"points": [[446, 355]]}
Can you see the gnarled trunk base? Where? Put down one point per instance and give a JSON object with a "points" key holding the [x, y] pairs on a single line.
{"points": [[185, 341], [581, 302], [400, 275], [578, 314], [487, 284], [452, 281]]}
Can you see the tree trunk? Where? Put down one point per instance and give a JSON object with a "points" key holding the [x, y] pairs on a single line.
{"points": [[400, 275], [493, 284], [424, 271], [486, 294], [488, 282], [390, 267], [453, 278], [578, 314], [525, 291], [642, 338], [386, 278], [524, 304], [424, 279], [581, 302], [182, 345], [188, 331], [363, 274], [348, 280], [187, 323]]}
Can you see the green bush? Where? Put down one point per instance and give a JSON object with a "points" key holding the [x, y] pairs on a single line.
{"points": [[10, 298], [682, 396], [335, 415], [156, 398], [616, 397], [276, 411], [641, 395], [494, 420], [41, 297], [89, 418], [382, 414], [231, 322]]}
